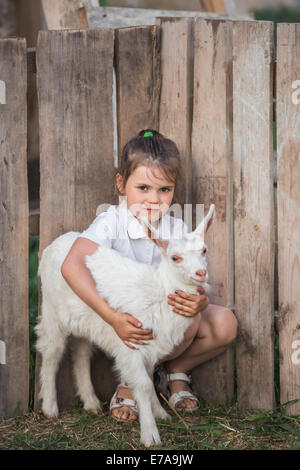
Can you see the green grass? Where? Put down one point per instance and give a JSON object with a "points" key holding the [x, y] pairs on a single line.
{"points": [[217, 427]]}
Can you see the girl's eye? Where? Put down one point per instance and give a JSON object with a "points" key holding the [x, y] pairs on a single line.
{"points": [[164, 190]]}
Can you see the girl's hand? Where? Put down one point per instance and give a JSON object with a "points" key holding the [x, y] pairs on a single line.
{"points": [[129, 329], [188, 305]]}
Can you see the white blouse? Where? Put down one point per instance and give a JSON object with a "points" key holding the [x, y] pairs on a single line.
{"points": [[119, 229]]}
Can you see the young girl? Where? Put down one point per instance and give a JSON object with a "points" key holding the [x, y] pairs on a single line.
{"points": [[148, 173]]}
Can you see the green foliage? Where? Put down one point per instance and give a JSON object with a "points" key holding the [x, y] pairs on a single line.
{"points": [[279, 15]]}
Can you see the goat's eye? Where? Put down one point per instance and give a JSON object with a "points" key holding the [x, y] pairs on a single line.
{"points": [[204, 251], [176, 258]]}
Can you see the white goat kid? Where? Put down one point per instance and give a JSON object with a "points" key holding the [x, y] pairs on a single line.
{"points": [[128, 286]]}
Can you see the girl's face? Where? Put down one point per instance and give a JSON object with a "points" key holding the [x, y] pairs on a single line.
{"points": [[148, 192]]}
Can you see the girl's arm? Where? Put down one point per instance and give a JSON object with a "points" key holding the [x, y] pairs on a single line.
{"points": [[79, 278]]}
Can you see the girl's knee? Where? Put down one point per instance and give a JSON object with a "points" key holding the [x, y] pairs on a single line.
{"points": [[192, 331], [224, 325]]}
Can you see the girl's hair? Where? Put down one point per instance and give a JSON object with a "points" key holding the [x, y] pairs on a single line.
{"points": [[153, 150]]}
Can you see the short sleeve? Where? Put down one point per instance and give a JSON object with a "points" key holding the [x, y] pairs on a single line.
{"points": [[102, 230]]}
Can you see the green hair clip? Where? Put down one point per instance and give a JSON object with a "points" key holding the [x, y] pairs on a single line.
{"points": [[148, 134]]}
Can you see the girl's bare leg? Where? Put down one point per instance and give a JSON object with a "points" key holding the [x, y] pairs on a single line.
{"points": [[210, 335]]}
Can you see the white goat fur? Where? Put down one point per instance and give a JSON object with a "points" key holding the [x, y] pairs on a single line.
{"points": [[128, 286]]}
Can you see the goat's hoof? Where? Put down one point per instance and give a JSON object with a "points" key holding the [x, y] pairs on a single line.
{"points": [[93, 406], [151, 439], [167, 417], [95, 411], [50, 411], [163, 415]]}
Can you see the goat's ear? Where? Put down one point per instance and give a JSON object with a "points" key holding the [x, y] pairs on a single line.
{"points": [[206, 222], [162, 244], [153, 235]]}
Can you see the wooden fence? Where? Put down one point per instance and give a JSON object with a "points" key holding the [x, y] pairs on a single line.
{"points": [[209, 85]]}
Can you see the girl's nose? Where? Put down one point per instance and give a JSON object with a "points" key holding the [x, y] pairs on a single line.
{"points": [[153, 198]]}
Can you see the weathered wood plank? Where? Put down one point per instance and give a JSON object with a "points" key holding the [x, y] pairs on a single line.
{"points": [[64, 14], [14, 322], [138, 80], [34, 222], [113, 17], [75, 73], [8, 20], [150, 4], [212, 182], [216, 6], [176, 99], [254, 211], [288, 194]]}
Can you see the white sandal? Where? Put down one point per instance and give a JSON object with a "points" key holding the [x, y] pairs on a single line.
{"points": [[118, 402], [179, 397]]}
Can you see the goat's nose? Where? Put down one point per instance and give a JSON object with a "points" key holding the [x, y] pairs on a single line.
{"points": [[201, 273]]}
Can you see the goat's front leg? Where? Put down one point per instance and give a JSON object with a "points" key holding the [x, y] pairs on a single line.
{"points": [[158, 411], [134, 372]]}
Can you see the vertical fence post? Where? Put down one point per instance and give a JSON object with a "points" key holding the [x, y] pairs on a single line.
{"points": [[137, 57], [14, 212], [176, 99], [253, 211], [75, 76], [288, 201], [212, 182]]}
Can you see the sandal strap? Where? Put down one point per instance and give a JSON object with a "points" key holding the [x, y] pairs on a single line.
{"points": [[178, 376], [118, 402], [178, 397]]}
